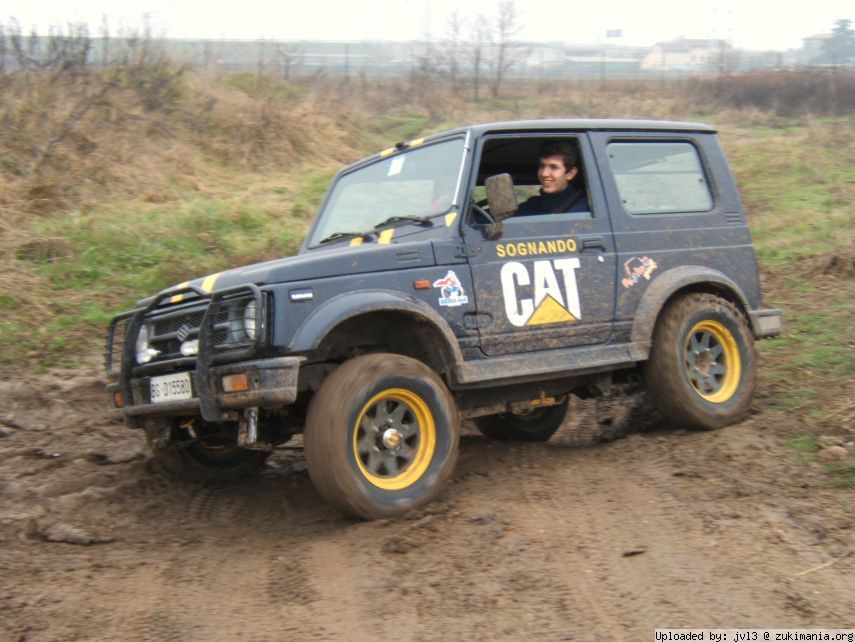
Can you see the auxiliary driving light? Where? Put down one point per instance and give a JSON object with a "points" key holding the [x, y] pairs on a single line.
{"points": [[190, 348]]}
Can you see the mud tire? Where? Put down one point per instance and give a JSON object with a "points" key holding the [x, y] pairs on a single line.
{"points": [[203, 460], [538, 424], [349, 460], [702, 369]]}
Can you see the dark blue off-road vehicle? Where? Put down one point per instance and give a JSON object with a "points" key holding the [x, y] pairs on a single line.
{"points": [[418, 296]]}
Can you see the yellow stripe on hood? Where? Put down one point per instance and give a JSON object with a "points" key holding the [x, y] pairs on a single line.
{"points": [[178, 298], [208, 283]]}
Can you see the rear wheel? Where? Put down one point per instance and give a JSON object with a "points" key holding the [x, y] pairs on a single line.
{"points": [[534, 424], [381, 436], [195, 450], [702, 369]]}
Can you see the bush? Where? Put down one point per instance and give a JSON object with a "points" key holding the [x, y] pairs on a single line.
{"points": [[820, 91]]}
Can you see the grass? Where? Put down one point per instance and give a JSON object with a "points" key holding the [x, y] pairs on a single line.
{"points": [[90, 264], [806, 446], [798, 184], [841, 474], [817, 345], [397, 128], [797, 179]]}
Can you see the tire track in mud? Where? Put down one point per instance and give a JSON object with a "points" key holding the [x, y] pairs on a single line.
{"points": [[606, 547], [379, 575], [228, 554], [602, 543], [526, 542], [644, 555]]}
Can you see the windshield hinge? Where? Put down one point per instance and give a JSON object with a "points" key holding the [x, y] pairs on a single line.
{"points": [[463, 251]]}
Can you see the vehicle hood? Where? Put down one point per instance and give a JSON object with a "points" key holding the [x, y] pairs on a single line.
{"points": [[338, 260]]}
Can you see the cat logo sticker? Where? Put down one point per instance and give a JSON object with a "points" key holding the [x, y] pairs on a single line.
{"points": [[548, 294]]}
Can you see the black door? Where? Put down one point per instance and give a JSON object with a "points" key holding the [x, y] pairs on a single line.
{"points": [[548, 281]]}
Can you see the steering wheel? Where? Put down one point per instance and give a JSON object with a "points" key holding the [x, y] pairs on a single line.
{"points": [[483, 213]]}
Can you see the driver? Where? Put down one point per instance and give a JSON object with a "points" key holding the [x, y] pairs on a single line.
{"points": [[561, 189]]}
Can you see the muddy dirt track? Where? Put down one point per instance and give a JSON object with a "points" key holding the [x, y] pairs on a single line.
{"points": [[568, 540]]}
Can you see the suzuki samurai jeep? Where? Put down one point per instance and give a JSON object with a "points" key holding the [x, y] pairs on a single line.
{"points": [[421, 295]]}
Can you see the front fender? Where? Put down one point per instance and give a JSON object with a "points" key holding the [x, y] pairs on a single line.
{"points": [[663, 288], [331, 313]]}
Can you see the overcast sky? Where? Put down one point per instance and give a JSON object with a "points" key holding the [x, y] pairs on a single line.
{"points": [[750, 24]]}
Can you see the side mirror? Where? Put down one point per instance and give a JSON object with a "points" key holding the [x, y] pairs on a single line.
{"points": [[500, 196]]}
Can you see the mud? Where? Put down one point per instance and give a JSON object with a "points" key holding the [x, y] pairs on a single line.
{"points": [[613, 528]]}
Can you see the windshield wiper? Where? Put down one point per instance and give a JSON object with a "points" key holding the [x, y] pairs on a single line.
{"points": [[421, 220], [335, 236], [367, 236]]}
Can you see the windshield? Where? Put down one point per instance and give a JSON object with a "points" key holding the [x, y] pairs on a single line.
{"points": [[419, 183]]}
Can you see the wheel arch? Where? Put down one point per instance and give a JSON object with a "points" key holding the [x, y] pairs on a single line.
{"points": [[678, 282], [386, 319]]}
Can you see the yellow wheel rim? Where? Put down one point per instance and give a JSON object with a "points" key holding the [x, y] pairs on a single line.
{"points": [[712, 361], [394, 439]]}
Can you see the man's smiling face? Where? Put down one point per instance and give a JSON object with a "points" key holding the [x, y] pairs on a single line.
{"points": [[553, 176]]}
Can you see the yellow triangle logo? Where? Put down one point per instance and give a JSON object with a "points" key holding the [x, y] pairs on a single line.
{"points": [[550, 311]]}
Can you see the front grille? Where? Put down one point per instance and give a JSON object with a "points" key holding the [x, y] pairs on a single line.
{"points": [[174, 324], [169, 331], [170, 327]]}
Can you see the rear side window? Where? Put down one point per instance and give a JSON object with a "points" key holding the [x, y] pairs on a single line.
{"points": [[659, 177]]}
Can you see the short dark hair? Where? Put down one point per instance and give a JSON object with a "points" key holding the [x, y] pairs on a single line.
{"points": [[562, 148]]}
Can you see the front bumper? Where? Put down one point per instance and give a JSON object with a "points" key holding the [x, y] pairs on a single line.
{"points": [[272, 383]]}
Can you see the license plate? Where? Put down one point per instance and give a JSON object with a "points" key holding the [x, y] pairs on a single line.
{"points": [[172, 387]]}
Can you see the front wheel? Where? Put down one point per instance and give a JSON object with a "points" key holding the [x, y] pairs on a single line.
{"points": [[381, 436], [702, 369], [534, 424]]}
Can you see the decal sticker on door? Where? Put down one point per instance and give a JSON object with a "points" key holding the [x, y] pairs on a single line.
{"points": [[637, 269], [544, 293], [451, 291]]}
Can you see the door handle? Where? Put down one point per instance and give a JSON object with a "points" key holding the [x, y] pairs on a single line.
{"points": [[594, 243]]}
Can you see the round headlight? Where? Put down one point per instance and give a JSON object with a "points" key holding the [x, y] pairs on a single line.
{"points": [[250, 313], [144, 353]]}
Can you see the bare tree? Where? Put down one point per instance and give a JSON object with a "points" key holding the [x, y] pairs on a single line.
{"points": [[451, 50], [507, 51], [262, 57], [3, 49], [289, 58], [105, 40], [481, 37], [426, 69]]}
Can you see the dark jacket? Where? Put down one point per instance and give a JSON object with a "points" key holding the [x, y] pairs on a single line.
{"points": [[572, 199]]}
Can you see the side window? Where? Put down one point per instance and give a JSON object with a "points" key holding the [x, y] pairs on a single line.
{"points": [[659, 177], [563, 190]]}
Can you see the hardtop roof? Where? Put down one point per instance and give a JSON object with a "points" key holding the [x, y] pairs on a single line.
{"points": [[579, 124], [546, 126]]}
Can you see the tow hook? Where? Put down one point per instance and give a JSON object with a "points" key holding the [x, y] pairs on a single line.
{"points": [[248, 431]]}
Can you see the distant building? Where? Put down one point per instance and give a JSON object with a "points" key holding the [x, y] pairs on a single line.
{"points": [[299, 57], [534, 60], [579, 61], [687, 55]]}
